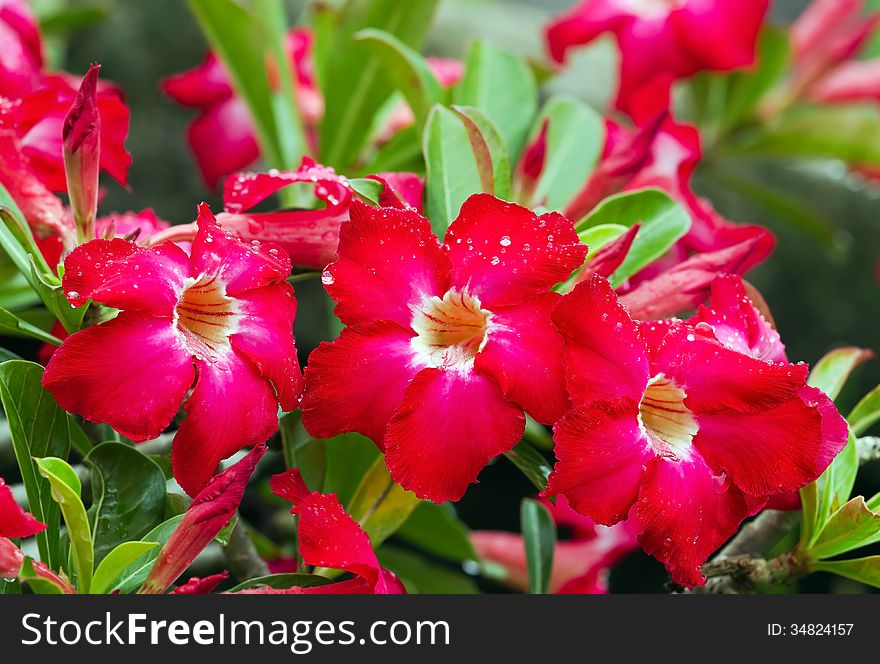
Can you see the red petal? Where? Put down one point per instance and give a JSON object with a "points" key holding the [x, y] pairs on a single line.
{"points": [[223, 140], [601, 454], [686, 513], [201, 586], [126, 276], [504, 253], [357, 382], [241, 267], [115, 159], [605, 356], [290, 486], [523, 353], [231, 407], [14, 521], [264, 333], [401, 190], [202, 86], [389, 261], [131, 373], [720, 35], [448, 427]]}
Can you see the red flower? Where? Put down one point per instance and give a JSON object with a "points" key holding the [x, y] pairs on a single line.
{"points": [[446, 345], [223, 138], [580, 563], [673, 423], [21, 49], [329, 537], [662, 38], [14, 523], [225, 311], [201, 586]]}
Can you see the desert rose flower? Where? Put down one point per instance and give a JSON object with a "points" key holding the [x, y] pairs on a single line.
{"points": [[21, 49], [329, 537], [218, 321], [680, 429], [663, 38], [445, 345]]}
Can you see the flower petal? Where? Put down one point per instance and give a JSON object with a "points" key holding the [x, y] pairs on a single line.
{"points": [[686, 512], [131, 373], [264, 333], [223, 140], [14, 521], [357, 382], [389, 260], [123, 275], [231, 407], [605, 356], [523, 353], [601, 454], [504, 253], [448, 427]]}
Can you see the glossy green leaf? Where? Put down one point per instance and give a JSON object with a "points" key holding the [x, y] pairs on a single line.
{"points": [[282, 582], [490, 151], [116, 562], [663, 223], [575, 138], [66, 489], [452, 173], [38, 428], [349, 458], [136, 573], [420, 575], [128, 496], [501, 85], [539, 533], [835, 485], [409, 71], [381, 505], [809, 513], [532, 464], [353, 77], [852, 526], [865, 570], [831, 372], [438, 530], [597, 237], [866, 412], [368, 190], [15, 326]]}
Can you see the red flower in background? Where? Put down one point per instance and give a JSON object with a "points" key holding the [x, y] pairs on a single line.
{"points": [[223, 138], [223, 314], [21, 54], [329, 537], [580, 563], [676, 424], [446, 345], [663, 38]]}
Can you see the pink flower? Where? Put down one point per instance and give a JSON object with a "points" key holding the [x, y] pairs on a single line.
{"points": [[663, 38], [223, 137], [687, 427], [580, 563], [446, 345], [329, 537], [21, 49], [223, 313], [209, 513]]}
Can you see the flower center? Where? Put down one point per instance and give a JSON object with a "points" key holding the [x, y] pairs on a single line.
{"points": [[669, 423], [205, 317], [451, 330]]}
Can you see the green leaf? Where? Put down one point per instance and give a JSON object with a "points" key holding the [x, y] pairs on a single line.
{"points": [[349, 458], [128, 495], [835, 485], [663, 222], [490, 151], [809, 513], [532, 464], [15, 326], [423, 576], [575, 138], [38, 428], [865, 570], [282, 582], [116, 562], [852, 526], [66, 489], [438, 530], [409, 71], [831, 372], [240, 41], [539, 533], [452, 172], [353, 77], [865, 413], [381, 505], [369, 190], [501, 85], [136, 573], [597, 237], [40, 585]]}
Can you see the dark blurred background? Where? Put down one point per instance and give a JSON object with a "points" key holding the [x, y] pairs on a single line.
{"points": [[823, 288]]}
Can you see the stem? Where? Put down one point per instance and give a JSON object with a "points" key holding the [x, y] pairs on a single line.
{"points": [[241, 554], [759, 535], [746, 574]]}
